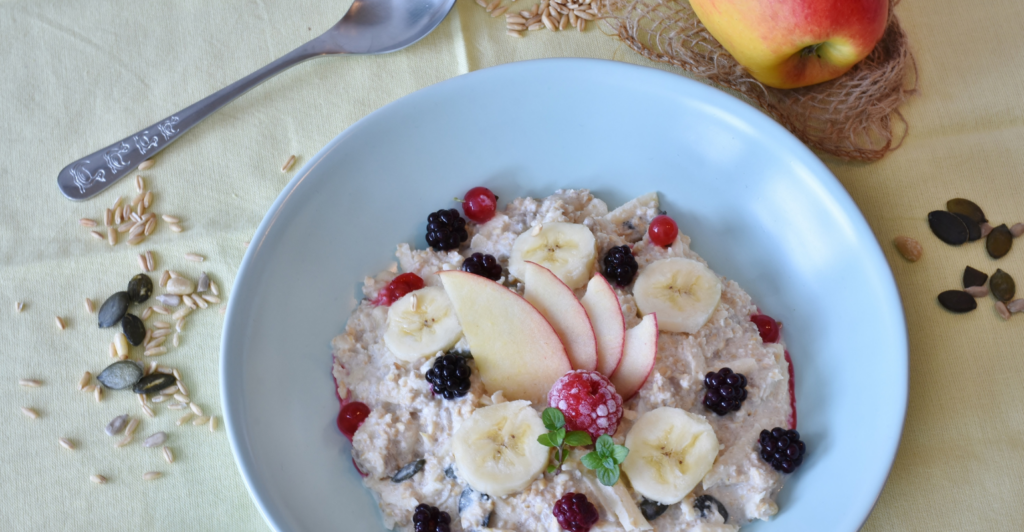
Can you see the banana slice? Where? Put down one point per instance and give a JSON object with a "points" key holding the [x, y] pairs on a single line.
{"points": [[568, 250], [670, 451], [422, 323], [682, 292], [496, 449]]}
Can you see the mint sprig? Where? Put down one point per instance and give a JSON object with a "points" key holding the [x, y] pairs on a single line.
{"points": [[605, 460], [557, 437]]}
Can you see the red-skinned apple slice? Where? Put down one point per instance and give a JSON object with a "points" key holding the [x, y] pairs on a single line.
{"points": [[638, 355], [558, 304], [515, 349], [602, 305]]}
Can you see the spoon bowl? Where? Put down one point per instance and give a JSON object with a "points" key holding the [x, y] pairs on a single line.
{"points": [[368, 27]]}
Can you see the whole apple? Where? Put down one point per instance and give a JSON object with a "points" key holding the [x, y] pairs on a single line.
{"points": [[795, 43]]}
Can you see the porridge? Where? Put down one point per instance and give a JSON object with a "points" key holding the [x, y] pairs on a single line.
{"points": [[558, 365]]}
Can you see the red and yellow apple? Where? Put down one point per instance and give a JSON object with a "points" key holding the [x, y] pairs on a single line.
{"points": [[794, 43], [602, 306], [639, 352], [557, 303]]}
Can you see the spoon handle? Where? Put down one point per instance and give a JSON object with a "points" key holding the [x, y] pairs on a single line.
{"points": [[93, 173]]}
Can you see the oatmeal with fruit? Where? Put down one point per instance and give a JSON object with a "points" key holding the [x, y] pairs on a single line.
{"points": [[556, 365]]}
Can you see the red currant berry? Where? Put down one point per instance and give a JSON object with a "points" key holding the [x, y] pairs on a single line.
{"points": [[663, 230], [351, 417], [480, 204], [767, 326], [398, 287]]}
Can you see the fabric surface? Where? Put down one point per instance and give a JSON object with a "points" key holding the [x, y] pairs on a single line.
{"points": [[79, 75]]}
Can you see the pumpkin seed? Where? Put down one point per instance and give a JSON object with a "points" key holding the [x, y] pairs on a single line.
{"points": [[973, 229], [116, 425], [113, 309], [140, 288], [154, 383], [967, 208], [703, 503], [133, 328], [652, 509], [957, 301], [948, 227], [120, 375], [450, 472], [1002, 286], [974, 277], [408, 471], [999, 241]]}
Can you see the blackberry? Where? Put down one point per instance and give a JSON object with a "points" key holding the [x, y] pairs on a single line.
{"points": [[620, 266], [446, 230], [483, 265], [449, 376], [426, 518], [575, 513], [726, 391], [782, 449]]}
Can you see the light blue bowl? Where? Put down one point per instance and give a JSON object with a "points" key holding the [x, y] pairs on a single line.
{"points": [[760, 207]]}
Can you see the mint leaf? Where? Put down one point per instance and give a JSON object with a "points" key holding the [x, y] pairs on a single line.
{"points": [[607, 476], [558, 436], [551, 468], [591, 460], [608, 463], [605, 445], [545, 440], [619, 453], [578, 438], [553, 418]]}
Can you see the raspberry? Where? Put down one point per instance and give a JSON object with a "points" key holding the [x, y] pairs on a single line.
{"points": [[575, 513], [426, 518], [620, 266], [663, 231], [726, 391], [767, 327], [782, 449], [480, 204], [449, 376], [588, 401], [483, 265], [397, 288], [446, 230]]}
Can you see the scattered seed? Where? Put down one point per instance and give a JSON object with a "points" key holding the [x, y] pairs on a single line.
{"points": [[60, 322], [180, 286], [116, 425], [98, 479], [156, 342], [171, 219], [182, 397], [118, 216], [160, 309], [156, 439], [1017, 305], [213, 423], [182, 388], [407, 471], [551, 26], [160, 333], [185, 418], [29, 412], [161, 325], [138, 199], [152, 475], [147, 164], [149, 411], [499, 12], [29, 383], [154, 382], [89, 388], [176, 228], [514, 19], [1002, 310], [150, 227], [146, 313], [908, 247], [124, 441], [214, 288], [585, 15], [117, 203], [177, 406], [142, 262], [967, 208], [176, 339], [112, 236], [140, 185], [948, 227], [168, 455], [97, 235], [188, 301], [203, 304], [90, 307], [108, 217], [288, 163], [181, 313], [155, 352], [194, 257], [957, 301], [179, 325], [86, 222], [977, 291], [113, 309], [132, 425], [1002, 286], [196, 408], [148, 200], [98, 393], [211, 299], [204, 283], [999, 241], [66, 443], [85, 380], [149, 261], [200, 420], [164, 277], [121, 375]]}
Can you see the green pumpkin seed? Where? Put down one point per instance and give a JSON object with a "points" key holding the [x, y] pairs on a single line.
{"points": [[967, 208], [1002, 286], [408, 471], [999, 241]]}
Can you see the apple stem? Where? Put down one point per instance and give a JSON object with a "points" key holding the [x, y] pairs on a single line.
{"points": [[810, 50]]}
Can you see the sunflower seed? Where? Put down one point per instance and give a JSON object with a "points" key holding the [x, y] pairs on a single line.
{"points": [[957, 301], [176, 228], [60, 322], [133, 424], [214, 288], [152, 475], [66, 443], [121, 348], [29, 383], [1003, 311], [156, 439], [999, 241], [116, 425], [98, 393], [97, 235], [171, 219], [213, 423], [98, 479], [1002, 286], [948, 227], [194, 257], [204, 283], [974, 277], [86, 222], [168, 455], [85, 380], [29, 412], [180, 286]]}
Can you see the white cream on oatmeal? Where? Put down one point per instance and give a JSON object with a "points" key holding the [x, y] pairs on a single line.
{"points": [[408, 423]]}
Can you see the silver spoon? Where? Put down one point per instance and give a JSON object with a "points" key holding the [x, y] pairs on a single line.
{"points": [[369, 27]]}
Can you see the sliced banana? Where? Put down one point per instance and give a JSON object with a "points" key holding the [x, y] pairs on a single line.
{"points": [[568, 250], [670, 451], [422, 323], [496, 449], [683, 292]]}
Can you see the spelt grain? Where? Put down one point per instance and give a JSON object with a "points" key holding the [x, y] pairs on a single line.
{"points": [[97, 235], [187, 300], [211, 299], [288, 163], [152, 475], [66, 443], [118, 218], [490, 7], [159, 399], [85, 380], [112, 350], [117, 204], [155, 342], [203, 304], [499, 12], [164, 277], [176, 228], [481, 3], [176, 339], [29, 412], [526, 14], [181, 313], [179, 325], [563, 22], [515, 19], [213, 423], [572, 17], [177, 406], [199, 421], [139, 184], [112, 236], [132, 425], [170, 390], [60, 322], [18, 306], [147, 164], [182, 388], [161, 325], [551, 26], [196, 408], [121, 346], [184, 419], [214, 288], [168, 455], [142, 262], [155, 352], [171, 219], [108, 217], [29, 383], [194, 257], [126, 212], [584, 15], [177, 374], [98, 394], [149, 260], [137, 240], [137, 200], [124, 441], [148, 200], [98, 479], [90, 307], [146, 313], [160, 309], [150, 227], [127, 226], [160, 333], [515, 28], [89, 388], [149, 411], [86, 222]]}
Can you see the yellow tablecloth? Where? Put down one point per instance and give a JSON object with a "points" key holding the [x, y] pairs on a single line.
{"points": [[78, 75]]}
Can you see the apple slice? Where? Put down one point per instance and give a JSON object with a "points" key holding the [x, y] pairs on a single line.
{"points": [[555, 300], [515, 349], [638, 354], [602, 305]]}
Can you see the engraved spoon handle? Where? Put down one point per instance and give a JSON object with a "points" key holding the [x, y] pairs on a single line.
{"points": [[93, 173]]}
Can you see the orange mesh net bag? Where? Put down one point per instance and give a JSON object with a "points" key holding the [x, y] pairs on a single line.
{"points": [[855, 116]]}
